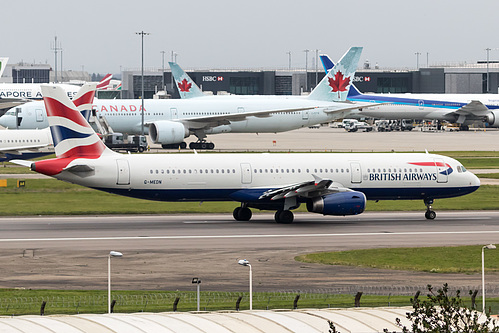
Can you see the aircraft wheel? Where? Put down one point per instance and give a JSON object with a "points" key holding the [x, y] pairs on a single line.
{"points": [[242, 214], [430, 215], [211, 145], [284, 216], [183, 145]]}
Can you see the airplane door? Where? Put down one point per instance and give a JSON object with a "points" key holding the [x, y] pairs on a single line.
{"points": [[356, 172], [245, 173], [123, 172], [39, 115], [173, 113], [240, 110], [442, 171], [421, 104], [304, 115]]}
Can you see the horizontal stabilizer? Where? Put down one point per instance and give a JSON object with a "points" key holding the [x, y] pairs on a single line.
{"points": [[79, 168], [22, 163]]}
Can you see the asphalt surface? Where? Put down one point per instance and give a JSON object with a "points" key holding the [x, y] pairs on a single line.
{"points": [[166, 252]]}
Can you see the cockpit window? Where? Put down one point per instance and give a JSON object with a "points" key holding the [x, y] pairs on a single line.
{"points": [[463, 168]]}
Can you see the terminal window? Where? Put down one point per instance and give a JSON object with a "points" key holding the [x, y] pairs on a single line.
{"points": [[244, 85], [392, 85]]}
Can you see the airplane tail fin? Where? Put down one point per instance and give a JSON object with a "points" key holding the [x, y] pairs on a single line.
{"points": [[105, 82], [335, 85], [72, 135], [84, 98], [186, 87], [327, 63], [3, 64]]}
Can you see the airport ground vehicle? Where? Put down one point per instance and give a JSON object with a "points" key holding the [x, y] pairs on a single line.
{"points": [[134, 143], [355, 125]]}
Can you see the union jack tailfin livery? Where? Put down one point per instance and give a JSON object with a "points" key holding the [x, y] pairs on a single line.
{"points": [[73, 137], [105, 82]]}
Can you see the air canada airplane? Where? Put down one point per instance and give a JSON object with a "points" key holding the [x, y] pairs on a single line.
{"points": [[170, 121], [463, 109], [32, 143], [329, 184]]}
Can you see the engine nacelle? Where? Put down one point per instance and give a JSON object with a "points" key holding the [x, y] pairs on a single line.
{"points": [[492, 119], [342, 203], [167, 132]]}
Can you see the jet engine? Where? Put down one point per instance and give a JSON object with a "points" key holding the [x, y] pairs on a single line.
{"points": [[167, 132], [342, 203], [492, 119]]}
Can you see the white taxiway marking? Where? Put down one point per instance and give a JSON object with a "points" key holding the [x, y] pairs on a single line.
{"points": [[357, 234]]}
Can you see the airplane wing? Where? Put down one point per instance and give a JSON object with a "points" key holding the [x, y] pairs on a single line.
{"points": [[20, 149], [309, 189], [475, 108], [226, 119], [350, 106], [7, 103]]}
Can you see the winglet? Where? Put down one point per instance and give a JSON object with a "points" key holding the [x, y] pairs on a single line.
{"points": [[187, 88]]}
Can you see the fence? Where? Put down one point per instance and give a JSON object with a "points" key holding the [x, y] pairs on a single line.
{"points": [[80, 302]]}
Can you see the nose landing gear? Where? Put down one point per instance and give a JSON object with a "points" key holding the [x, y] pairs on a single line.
{"points": [[429, 214]]}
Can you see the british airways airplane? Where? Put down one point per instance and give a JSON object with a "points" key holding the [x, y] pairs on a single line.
{"points": [[464, 109], [329, 184], [28, 143], [170, 121]]}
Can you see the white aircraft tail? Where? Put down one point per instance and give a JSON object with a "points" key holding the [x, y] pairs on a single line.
{"points": [[3, 64], [335, 85], [187, 88]]}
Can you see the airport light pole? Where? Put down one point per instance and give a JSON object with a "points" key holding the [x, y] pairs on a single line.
{"points": [[245, 262], [417, 59], [197, 281], [316, 66], [111, 254], [490, 247], [142, 34], [488, 49], [289, 59], [306, 69], [163, 70]]}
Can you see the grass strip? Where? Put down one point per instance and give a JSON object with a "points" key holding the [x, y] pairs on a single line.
{"points": [[15, 302], [458, 259]]}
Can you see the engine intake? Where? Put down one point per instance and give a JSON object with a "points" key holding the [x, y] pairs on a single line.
{"points": [[492, 119], [342, 203], [167, 132]]}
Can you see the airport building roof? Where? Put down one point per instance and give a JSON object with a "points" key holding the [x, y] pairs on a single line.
{"points": [[306, 320]]}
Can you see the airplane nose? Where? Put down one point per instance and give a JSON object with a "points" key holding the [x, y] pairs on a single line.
{"points": [[474, 181]]}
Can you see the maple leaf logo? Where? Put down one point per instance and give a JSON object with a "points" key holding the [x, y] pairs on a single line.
{"points": [[184, 86], [339, 82]]}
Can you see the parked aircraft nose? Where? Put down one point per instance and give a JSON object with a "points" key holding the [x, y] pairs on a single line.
{"points": [[4, 121]]}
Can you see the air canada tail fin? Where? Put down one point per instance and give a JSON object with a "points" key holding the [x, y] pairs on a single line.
{"points": [[186, 87], [84, 98], [327, 63], [335, 85], [72, 135]]}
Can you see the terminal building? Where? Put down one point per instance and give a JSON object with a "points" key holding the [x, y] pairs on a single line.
{"points": [[456, 79]]}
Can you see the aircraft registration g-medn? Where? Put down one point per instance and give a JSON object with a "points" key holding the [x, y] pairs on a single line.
{"points": [[170, 121], [329, 184]]}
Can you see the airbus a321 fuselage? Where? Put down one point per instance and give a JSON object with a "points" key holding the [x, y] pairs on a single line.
{"points": [[329, 184], [170, 121]]}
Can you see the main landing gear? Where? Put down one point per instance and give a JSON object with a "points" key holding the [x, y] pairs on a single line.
{"points": [[243, 213], [201, 144], [181, 145], [429, 214]]}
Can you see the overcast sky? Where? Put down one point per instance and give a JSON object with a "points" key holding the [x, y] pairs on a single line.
{"points": [[100, 35]]}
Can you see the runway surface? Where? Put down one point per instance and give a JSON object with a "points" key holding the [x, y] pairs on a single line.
{"points": [[165, 252]]}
